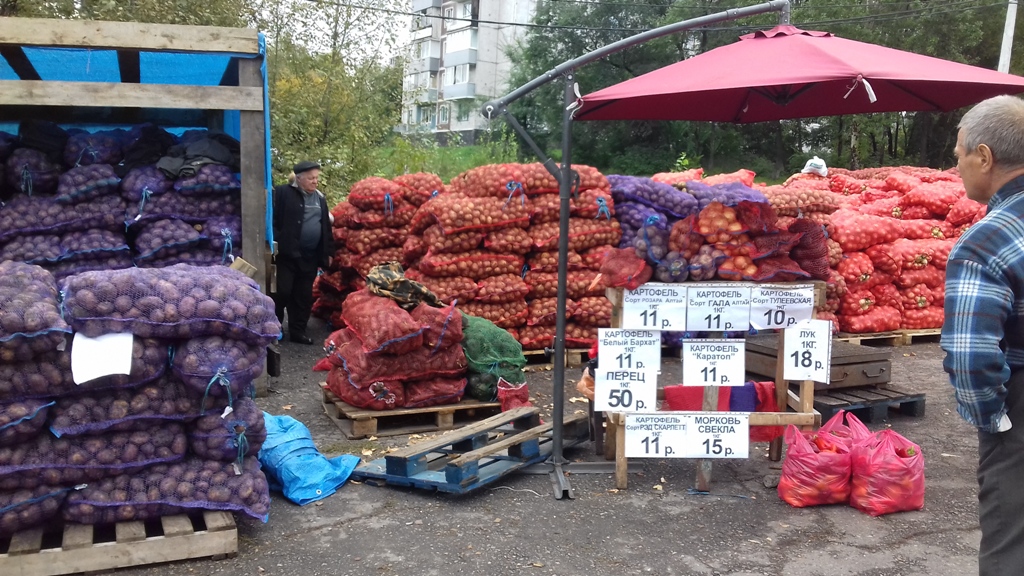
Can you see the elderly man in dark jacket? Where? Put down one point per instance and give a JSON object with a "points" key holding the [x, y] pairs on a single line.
{"points": [[302, 228]]}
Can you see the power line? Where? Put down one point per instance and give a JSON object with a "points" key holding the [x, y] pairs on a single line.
{"points": [[712, 8]]}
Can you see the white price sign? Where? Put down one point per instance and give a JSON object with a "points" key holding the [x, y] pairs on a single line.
{"points": [[808, 351], [718, 307], [714, 362], [627, 370], [688, 435], [654, 306], [773, 307]]}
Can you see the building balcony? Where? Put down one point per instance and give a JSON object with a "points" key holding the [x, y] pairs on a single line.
{"points": [[419, 5], [460, 91], [423, 65], [421, 95], [460, 57]]}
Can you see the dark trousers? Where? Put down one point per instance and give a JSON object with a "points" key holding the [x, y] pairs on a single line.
{"points": [[1000, 495], [295, 292]]}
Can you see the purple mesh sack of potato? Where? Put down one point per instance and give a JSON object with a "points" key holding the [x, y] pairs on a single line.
{"points": [[25, 509], [164, 238], [31, 172], [32, 249], [219, 367], [20, 421], [85, 149], [144, 182], [196, 256], [83, 183], [94, 243], [89, 263], [178, 302], [209, 179], [229, 439], [39, 214], [171, 489], [30, 316], [46, 460], [224, 234], [49, 375], [658, 195], [194, 209], [147, 406]]}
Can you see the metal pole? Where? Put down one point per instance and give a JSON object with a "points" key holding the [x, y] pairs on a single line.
{"points": [[1004, 51], [497, 105]]}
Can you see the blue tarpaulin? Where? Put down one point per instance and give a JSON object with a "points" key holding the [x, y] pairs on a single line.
{"points": [[195, 69]]}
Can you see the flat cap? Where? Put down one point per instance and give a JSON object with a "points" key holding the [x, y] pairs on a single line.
{"points": [[305, 166]]}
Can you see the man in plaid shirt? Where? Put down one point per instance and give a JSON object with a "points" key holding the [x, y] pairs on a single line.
{"points": [[983, 334]]}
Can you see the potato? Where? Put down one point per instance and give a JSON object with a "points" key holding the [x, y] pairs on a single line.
{"points": [[26, 214], [83, 183], [124, 410], [20, 421], [28, 508], [233, 362], [210, 179], [144, 181]]}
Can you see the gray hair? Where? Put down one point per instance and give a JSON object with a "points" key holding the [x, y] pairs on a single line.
{"points": [[999, 123]]}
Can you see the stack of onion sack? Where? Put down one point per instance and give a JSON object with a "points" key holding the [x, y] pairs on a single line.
{"points": [[390, 358], [593, 230]]}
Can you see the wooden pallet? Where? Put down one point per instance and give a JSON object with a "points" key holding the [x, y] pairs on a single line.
{"points": [[897, 338], [869, 404], [539, 361], [75, 548], [358, 423], [463, 460]]}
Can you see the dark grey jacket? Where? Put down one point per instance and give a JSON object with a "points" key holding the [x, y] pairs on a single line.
{"points": [[288, 214]]}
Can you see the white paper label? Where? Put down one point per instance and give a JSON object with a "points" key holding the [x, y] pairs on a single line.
{"points": [[627, 370], [718, 307], [714, 362], [688, 435], [654, 306], [106, 355], [808, 351], [773, 307]]}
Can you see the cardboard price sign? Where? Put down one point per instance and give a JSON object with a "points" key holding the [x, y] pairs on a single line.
{"points": [[627, 370], [720, 307], [715, 435], [773, 307], [654, 306]]}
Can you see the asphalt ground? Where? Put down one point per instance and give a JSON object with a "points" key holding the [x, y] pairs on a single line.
{"points": [[656, 526]]}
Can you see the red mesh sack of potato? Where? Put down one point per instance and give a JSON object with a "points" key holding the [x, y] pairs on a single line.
{"points": [[938, 198], [544, 311], [583, 234], [548, 261], [622, 268], [443, 325], [419, 187], [547, 208], [375, 193], [884, 207], [684, 239], [923, 318], [845, 184], [440, 243], [381, 325], [476, 264], [583, 283], [397, 218], [504, 315], [856, 231], [593, 311], [673, 178], [577, 336], [594, 258], [413, 249], [901, 182], [434, 392], [876, 319], [536, 337], [538, 180], [502, 288], [343, 214], [376, 396], [447, 289], [423, 218], [888, 475], [757, 217], [372, 239], [459, 214], [542, 284], [931, 276], [964, 211], [746, 177], [490, 181], [363, 264], [595, 203], [509, 241], [362, 370]]}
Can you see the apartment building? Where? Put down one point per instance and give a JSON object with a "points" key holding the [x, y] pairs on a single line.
{"points": [[457, 61]]}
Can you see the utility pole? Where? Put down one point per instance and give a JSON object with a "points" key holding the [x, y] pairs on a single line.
{"points": [[1004, 52]]}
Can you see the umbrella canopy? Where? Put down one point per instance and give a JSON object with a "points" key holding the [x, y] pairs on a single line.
{"points": [[791, 73]]}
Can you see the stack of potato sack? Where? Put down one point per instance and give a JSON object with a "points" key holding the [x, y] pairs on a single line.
{"points": [[388, 357], [179, 431], [593, 230], [370, 228]]}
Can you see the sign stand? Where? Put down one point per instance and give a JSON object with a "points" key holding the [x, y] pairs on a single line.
{"points": [[802, 404]]}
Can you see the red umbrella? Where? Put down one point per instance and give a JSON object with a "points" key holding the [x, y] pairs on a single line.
{"points": [[791, 73]]}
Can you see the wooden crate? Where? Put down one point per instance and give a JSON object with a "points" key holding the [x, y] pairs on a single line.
{"points": [[358, 423], [75, 548], [852, 365]]}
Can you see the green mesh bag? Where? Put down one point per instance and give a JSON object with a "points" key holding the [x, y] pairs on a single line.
{"points": [[492, 351]]}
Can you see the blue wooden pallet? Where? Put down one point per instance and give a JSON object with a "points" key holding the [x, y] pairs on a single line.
{"points": [[463, 460]]}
